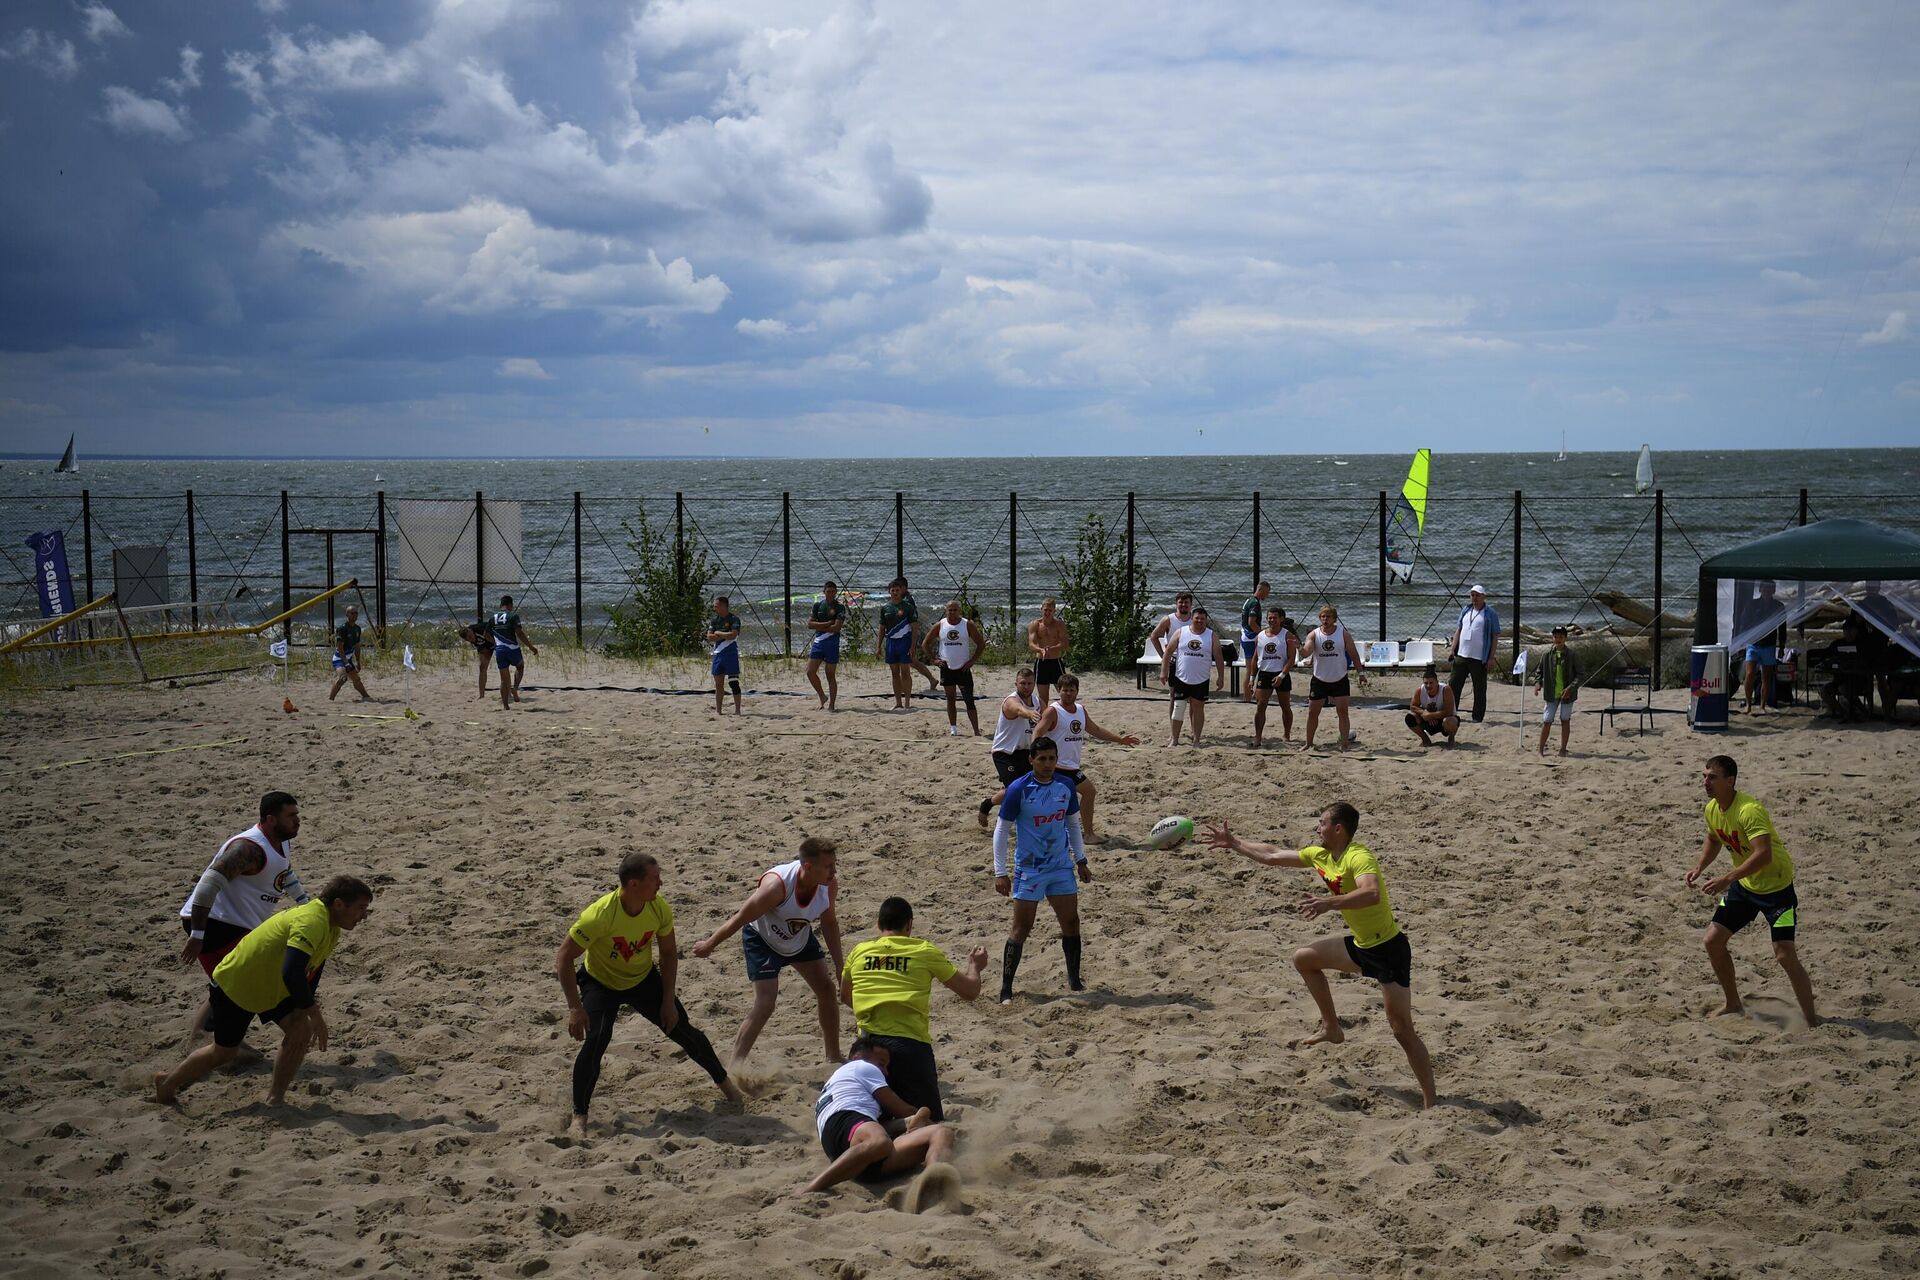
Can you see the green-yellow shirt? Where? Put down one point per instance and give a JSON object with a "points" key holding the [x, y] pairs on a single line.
{"points": [[250, 973], [892, 976], [1737, 827], [1372, 925], [619, 946]]}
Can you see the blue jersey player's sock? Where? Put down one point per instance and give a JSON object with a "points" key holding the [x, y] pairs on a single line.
{"points": [[1071, 945], [1009, 963]]}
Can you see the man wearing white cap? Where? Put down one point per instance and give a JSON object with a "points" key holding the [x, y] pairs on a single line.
{"points": [[1475, 641]]}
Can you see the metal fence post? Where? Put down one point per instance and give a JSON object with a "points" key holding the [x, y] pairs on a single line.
{"points": [[680, 541], [1256, 537], [899, 535], [1659, 568], [1133, 606], [1803, 506], [786, 565], [479, 553], [329, 584], [579, 598], [1517, 510], [193, 564], [1383, 564], [380, 558], [86, 536], [1013, 556], [286, 566]]}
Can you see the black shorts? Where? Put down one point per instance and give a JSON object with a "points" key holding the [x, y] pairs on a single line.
{"points": [[1008, 765], [1074, 776], [221, 938], [1740, 905], [229, 1022], [1319, 690], [961, 680], [1048, 671], [912, 1074], [837, 1135], [1281, 680], [1181, 689], [1389, 961]]}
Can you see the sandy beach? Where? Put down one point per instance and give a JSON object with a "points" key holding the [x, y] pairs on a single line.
{"points": [[1595, 1119]]}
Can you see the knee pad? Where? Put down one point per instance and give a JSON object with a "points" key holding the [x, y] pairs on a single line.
{"points": [[734, 686]]}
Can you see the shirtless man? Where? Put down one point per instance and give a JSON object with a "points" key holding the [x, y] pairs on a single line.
{"points": [[1047, 638]]}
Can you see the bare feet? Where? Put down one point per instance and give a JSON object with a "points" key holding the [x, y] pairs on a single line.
{"points": [[1563, 751], [923, 1116], [276, 1099], [732, 1091], [161, 1094], [1724, 1010], [577, 1128], [1329, 1033]]}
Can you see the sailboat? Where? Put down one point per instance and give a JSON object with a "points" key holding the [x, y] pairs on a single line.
{"points": [[1643, 473], [67, 466], [1408, 520], [1563, 446]]}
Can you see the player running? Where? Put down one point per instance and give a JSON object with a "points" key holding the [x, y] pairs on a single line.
{"points": [[617, 934], [1069, 723], [507, 640], [1019, 712], [783, 923], [1038, 817], [1271, 668], [1760, 884], [957, 644], [1376, 947], [723, 633], [828, 620]]}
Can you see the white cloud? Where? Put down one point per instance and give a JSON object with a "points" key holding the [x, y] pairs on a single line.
{"points": [[1908, 390], [189, 78], [523, 367], [764, 328], [50, 53], [1895, 329], [102, 23], [129, 113]]}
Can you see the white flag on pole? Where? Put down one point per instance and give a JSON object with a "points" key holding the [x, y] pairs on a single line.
{"points": [[278, 648], [1520, 663], [406, 657]]}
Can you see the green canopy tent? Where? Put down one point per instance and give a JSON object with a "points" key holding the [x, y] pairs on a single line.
{"points": [[1751, 591]]}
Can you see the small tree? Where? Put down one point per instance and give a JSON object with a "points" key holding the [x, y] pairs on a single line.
{"points": [[1106, 635], [667, 610]]}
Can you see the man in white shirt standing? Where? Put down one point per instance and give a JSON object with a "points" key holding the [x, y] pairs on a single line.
{"points": [[1192, 651], [1476, 641]]}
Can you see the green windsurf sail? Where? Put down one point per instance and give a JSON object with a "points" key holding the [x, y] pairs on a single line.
{"points": [[1408, 520]]}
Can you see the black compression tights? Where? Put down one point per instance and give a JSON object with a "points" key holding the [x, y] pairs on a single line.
{"points": [[603, 1007]]}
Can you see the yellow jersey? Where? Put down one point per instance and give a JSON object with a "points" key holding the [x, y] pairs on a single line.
{"points": [[1372, 925], [250, 973], [892, 977], [619, 946], [1737, 827]]}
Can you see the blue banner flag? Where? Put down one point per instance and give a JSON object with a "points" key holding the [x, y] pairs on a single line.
{"points": [[49, 549]]}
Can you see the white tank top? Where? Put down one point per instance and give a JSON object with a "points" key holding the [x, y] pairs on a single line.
{"points": [[1271, 651], [247, 901], [1011, 733], [788, 927], [955, 648], [1175, 623], [1329, 653], [1193, 654], [1429, 702], [1070, 733]]}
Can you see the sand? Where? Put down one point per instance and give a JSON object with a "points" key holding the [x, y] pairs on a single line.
{"points": [[1595, 1119]]}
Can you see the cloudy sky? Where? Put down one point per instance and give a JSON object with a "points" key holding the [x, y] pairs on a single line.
{"points": [[536, 227]]}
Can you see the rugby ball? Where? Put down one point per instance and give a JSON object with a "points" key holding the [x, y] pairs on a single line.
{"points": [[1171, 832]]}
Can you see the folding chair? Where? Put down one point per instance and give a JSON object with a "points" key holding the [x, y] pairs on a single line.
{"points": [[1640, 678], [1418, 654]]}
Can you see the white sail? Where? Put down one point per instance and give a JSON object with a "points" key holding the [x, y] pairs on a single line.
{"points": [[66, 461], [1643, 473], [1563, 446]]}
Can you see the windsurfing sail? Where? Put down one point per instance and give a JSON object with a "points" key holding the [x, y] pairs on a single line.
{"points": [[66, 460], [1408, 520], [1643, 474]]}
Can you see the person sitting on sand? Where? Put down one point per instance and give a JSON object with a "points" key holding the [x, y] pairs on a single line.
{"points": [[1376, 947], [272, 974], [865, 1128], [887, 981], [617, 935], [783, 922], [1760, 884]]}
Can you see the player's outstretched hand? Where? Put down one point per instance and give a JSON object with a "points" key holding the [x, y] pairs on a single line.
{"points": [[1130, 740], [1220, 837]]}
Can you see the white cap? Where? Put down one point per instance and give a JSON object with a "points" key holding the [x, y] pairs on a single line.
{"points": [[1477, 589]]}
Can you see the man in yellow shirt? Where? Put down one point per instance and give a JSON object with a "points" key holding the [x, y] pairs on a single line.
{"points": [[1760, 884], [617, 935], [1376, 947], [887, 982], [271, 974]]}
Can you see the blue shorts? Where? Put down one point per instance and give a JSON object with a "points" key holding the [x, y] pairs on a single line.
{"points": [[1031, 886], [764, 962], [900, 652], [504, 657], [345, 664], [1557, 708], [1764, 654], [1246, 650], [825, 648], [727, 661]]}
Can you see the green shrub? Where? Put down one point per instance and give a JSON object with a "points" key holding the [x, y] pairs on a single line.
{"points": [[1104, 635], [667, 611]]}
